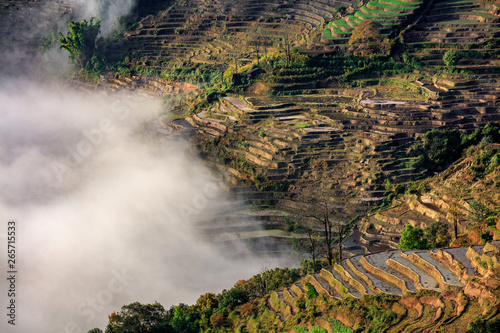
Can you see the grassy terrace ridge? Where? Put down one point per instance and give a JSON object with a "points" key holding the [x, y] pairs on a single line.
{"points": [[399, 3], [378, 4], [376, 12], [386, 12], [455, 24]]}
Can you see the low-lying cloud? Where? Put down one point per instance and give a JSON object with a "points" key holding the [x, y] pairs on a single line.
{"points": [[99, 205], [108, 11]]}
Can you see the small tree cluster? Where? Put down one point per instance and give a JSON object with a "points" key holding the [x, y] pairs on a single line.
{"points": [[414, 238], [81, 43], [440, 148], [366, 40], [451, 58]]}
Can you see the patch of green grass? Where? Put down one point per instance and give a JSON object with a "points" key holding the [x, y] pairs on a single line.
{"points": [[377, 4], [342, 23], [364, 16], [316, 329], [375, 12], [327, 33], [300, 329], [404, 3]]}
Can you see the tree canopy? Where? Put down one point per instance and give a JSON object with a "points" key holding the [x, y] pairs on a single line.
{"points": [[412, 238], [366, 40], [137, 318], [451, 58], [81, 44]]}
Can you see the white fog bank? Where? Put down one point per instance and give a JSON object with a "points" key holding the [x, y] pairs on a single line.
{"points": [[97, 210]]}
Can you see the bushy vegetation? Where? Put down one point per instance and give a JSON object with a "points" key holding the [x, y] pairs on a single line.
{"points": [[81, 43], [300, 329], [415, 238], [345, 70], [451, 58], [482, 326], [366, 40], [270, 279], [210, 313], [311, 291], [205, 75], [440, 148]]}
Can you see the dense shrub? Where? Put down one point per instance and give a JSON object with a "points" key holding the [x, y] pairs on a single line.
{"points": [[412, 61], [233, 297], [300, 329], [316, 329], [380, 315], [486, 237], [412, 238], [81, 43], [437, 235], [268, 280], [482, 326], [451, 58], [311, 291], [440, 148]]}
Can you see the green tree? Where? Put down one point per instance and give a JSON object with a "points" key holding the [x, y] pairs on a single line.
{"points": [[440, 148], [181, 321], [366, 40], [139, 318], [451, 58], [207, 301], [233, 297], [95, 330], [483, 326], [437, 235], [412, 238], [81, 43], [311, 291], [340, 11]]}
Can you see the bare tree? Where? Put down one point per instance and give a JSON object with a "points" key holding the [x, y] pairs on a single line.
{"points": [[257, 37], [313, 244], [456, 214], [326, 214], [286, 41]]}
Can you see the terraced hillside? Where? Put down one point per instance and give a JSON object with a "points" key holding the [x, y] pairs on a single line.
{"points": [[425, 291], [451, 24], [203, 31], [391, 14], [448, 197], [286, 138], [349, 142]]}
